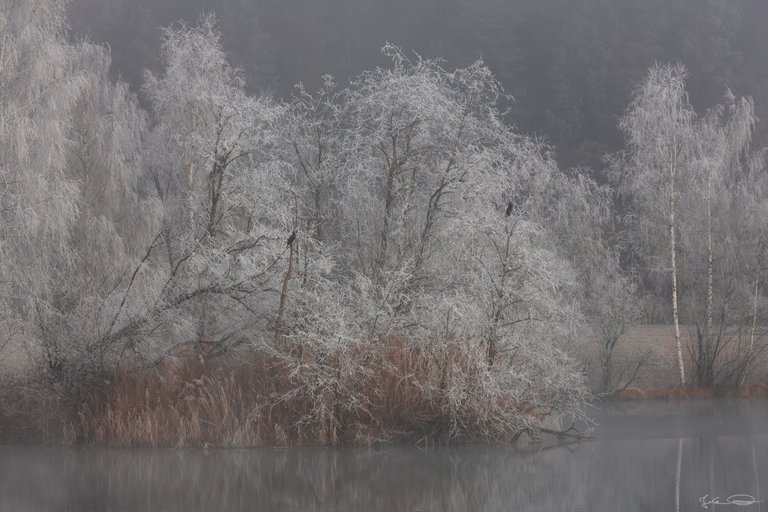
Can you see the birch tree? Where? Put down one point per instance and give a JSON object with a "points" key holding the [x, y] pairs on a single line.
{"points": [[723, 166], [659, 127], [711, 181]]}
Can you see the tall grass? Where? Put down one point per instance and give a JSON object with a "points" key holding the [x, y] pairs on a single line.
{"points": [[389, 391], [189, 400]]}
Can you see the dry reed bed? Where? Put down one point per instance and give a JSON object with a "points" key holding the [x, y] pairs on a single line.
{"points": [[393, 392], [370, 393]]}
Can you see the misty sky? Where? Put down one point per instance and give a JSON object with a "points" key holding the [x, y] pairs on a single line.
{"points": [[571, 65]]}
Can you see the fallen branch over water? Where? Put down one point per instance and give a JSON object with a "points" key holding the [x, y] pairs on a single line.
{"points": [[570, 433]]}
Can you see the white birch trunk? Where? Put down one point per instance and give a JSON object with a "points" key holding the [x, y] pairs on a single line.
{"points": [[754, 309], [673, 255], [710, 258]]}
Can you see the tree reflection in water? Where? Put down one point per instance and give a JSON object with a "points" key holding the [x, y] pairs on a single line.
{"points": [[645, 458]]}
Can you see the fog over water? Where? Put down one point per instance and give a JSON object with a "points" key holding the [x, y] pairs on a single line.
{"points": [[645, 457]]}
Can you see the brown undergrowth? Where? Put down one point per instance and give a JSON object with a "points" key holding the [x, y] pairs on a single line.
{"points": [[292, 397]]}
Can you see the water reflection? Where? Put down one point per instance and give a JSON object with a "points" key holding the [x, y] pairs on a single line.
{"points": [[648, 457]]}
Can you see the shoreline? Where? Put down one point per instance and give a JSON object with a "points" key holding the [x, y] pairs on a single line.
{"points": [[11, 435], [754, 390]]}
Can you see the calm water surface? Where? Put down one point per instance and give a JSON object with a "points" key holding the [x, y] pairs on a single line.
{"points": [[646, 457]]}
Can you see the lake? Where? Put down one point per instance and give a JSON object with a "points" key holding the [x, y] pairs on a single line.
{"points": [[646, 456]]}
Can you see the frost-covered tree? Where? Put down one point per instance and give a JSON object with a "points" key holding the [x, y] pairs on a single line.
{"points": [[429, 204], [105, 162], [698, 174], [314, 136], [40, 84], [70, 164], [396, 230], [584, 224], [215, 167], [661, 147], [115, 238], [722, 242]]}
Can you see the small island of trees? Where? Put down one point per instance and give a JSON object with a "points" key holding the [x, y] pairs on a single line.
{"points": [[380, 259]]}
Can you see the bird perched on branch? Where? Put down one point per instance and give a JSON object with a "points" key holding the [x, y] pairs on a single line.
{"points": [[291, 238]]}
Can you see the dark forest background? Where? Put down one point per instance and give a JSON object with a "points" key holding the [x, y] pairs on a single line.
{"points": [[571, 65]]}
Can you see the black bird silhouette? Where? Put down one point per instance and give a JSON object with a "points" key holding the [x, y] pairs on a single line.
{"points": [[510, 207], [291, 238]]}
